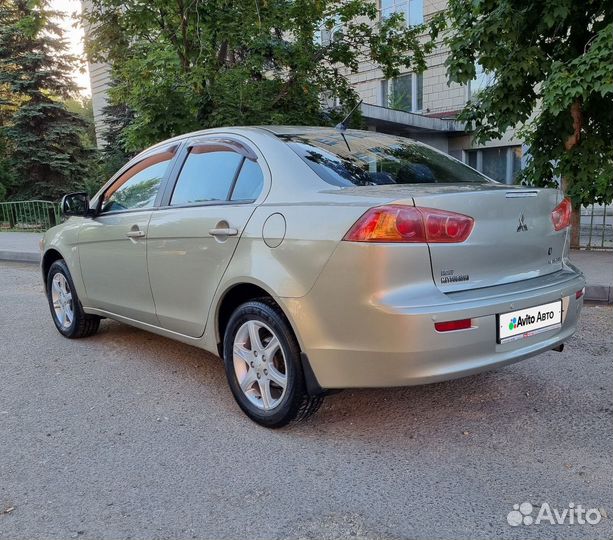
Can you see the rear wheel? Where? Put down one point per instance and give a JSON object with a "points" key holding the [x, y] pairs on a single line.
{"points": [[66, 310], [262, 361]]}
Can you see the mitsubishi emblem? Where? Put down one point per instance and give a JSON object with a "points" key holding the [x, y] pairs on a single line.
{"points": [[522, 223]]}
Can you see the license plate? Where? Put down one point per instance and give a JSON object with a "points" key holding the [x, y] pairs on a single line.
{"points": [[530, 321]]}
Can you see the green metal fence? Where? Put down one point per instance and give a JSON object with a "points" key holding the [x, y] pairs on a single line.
{"points": [[597, 227], [29, 215]]}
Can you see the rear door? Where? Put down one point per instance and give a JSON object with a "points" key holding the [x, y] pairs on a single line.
{"points": [[112, 246], [193, 237]]}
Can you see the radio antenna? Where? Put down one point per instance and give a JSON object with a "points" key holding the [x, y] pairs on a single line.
{"points": [[341, 127]]}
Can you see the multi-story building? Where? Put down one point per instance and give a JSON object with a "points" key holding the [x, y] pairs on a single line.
{"points": [[422, 106]]}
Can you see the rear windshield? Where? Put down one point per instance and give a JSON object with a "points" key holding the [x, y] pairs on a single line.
{"points": [[366, 159]]}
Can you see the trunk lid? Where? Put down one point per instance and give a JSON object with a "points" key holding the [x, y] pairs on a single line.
{"points": [[513, 238]]}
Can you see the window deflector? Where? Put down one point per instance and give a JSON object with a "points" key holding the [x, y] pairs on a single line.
{"points": [[221, 145]]}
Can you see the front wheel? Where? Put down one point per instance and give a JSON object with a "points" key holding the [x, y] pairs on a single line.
{"points": [[66, 310], [262, 361]]}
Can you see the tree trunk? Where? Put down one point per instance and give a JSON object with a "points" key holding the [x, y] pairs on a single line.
{"points": [[575, 228], [576, 112], [575, 220]]}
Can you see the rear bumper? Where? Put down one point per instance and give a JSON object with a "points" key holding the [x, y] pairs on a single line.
{"points": [[390, 340]]}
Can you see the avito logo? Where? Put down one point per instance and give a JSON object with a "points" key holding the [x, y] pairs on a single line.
{"points": [[530, 319], [574, 514]]}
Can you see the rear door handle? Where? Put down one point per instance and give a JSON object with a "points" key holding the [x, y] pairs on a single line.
{"points": [[135, 234], [228, 231]]}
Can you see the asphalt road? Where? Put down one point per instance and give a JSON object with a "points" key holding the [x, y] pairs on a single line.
{"points": [[129, 435]]}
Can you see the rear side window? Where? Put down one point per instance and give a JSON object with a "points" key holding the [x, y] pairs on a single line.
{"points": [[365, 159], [249, 182], [206, 176]]}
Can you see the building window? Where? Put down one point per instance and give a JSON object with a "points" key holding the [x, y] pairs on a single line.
{"points": [[404, 93], [481, 81], [413, 10], [501, 163], [326, 35]]}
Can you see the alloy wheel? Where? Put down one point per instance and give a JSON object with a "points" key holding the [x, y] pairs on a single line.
{"points": [[61, 296], [259, 364]]}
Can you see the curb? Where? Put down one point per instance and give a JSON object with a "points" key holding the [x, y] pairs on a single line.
{"points": [[599, 293], [20, 256]]}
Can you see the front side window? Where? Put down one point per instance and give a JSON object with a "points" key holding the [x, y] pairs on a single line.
{"points": [[138, 186], [362, 159], [413, 10]]}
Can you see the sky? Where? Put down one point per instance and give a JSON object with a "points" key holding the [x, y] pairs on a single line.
{"points": [[75, 39]]}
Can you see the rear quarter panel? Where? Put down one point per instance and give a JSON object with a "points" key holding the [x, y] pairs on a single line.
{"points": [[290, 269]]}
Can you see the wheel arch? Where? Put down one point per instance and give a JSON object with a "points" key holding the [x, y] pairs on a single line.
{"points": [[238, 294], [49, 257], [234, 296]]}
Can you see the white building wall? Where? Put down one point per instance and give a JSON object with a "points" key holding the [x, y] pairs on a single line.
{"points": [[99, 77]]}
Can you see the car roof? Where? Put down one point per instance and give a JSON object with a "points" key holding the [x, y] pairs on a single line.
{"points": [[296, 130], [272, 131]]}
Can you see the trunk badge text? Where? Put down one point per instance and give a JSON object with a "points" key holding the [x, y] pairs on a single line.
{"points": [[449, 276]]}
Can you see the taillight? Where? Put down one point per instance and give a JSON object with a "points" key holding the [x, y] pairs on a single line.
{"points": [[561, 215], [580, 293], [450, 326], [399, 223]]}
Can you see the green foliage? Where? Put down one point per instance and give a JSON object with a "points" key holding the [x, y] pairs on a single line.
{"points": [[113, 155], [553, 77], [83, 107], [181, 65], [48, 152]]}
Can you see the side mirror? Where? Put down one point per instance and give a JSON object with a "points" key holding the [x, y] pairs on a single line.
{"points": [[76, 204]]}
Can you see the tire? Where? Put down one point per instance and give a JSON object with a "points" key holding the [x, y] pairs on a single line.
{"points": [[267, 380], [63, 301]]}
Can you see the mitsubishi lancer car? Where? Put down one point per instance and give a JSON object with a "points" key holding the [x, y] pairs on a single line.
{"points": [[313, 259]]}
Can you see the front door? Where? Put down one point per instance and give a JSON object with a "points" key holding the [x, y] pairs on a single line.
{"points": [[113, 245], [191, 241]]}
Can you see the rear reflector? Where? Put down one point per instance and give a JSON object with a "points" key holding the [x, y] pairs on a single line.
{"points": [[580, 293], [449, 326], [561, 215], [399, 223]]}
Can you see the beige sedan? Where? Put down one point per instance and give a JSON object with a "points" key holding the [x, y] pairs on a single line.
{"points": [[313, 259]]}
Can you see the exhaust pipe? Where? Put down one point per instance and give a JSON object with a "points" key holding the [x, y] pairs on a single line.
{"points": [[559, 347]]}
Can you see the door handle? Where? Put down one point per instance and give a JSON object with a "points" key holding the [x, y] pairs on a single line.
{"points": [[135, 234], [227, 231]]}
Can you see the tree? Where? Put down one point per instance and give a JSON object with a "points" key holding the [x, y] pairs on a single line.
{"points": [[182, 65], [8, 105], [6, 174], [551, 61], [113, 155], [84, 107], [48, 153]]}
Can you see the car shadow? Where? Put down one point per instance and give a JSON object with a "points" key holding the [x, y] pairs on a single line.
{"points": [[460, 405]]}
